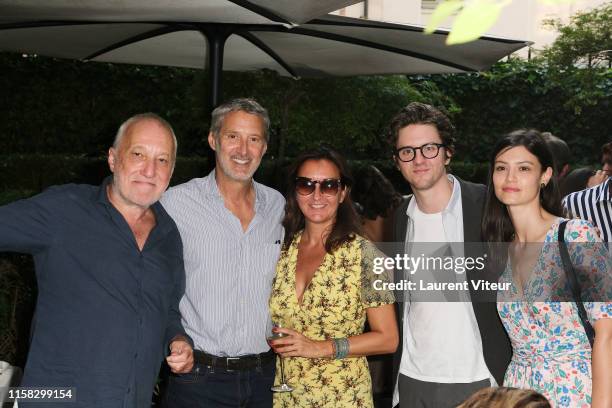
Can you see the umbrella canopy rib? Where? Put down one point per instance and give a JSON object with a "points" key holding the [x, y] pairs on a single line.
{"points": [[136, 38], [261, 45], [246, 28], [262, 11], [38, 24], [369, 44]]}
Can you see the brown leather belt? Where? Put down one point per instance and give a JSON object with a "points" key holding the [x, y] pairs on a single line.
{"points": [[233, 363]]}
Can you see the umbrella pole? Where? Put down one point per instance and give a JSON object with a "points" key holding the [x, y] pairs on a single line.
{"points": [[216, 36]]}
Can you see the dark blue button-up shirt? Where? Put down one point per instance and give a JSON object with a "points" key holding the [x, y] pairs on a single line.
{"points": [[106, 310]]}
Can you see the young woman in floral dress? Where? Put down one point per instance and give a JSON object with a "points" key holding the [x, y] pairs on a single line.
{"points": [[551, 351]]}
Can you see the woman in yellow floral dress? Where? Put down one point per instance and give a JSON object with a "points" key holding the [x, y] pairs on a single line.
{"points": [[323, 292]]}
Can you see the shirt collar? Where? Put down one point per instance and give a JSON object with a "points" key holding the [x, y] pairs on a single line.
{"points": [[453, 205], [161, 216], [211, 188], [103, 191]]}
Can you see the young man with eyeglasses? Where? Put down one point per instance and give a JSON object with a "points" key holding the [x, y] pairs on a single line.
{"points": [[448, 350]]}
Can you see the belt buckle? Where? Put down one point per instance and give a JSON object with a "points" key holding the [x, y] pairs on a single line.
{"points": [[227, 363]]}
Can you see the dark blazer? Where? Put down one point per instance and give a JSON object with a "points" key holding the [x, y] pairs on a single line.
{"points": [[495, 342]]}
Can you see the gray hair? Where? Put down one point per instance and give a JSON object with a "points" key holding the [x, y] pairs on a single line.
{"points": [[144, 116], [247, 105]]}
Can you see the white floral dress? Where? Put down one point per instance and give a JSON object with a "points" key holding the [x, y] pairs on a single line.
{"points": [[551, 352]]}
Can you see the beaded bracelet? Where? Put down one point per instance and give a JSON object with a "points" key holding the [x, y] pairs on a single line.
{"points": [[341, 348]]}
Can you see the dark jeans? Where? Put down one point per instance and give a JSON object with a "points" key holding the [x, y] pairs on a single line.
{"points": [[204, 387], [420, 394]]}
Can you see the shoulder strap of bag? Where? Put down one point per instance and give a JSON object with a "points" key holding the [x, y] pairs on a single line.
{"points": [[574, 285]]}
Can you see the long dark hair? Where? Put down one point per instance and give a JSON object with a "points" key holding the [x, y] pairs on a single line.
{"points": [[496, 223], [347, 223]]}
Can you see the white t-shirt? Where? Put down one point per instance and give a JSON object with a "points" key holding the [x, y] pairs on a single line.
{"points": [[441, 339]]}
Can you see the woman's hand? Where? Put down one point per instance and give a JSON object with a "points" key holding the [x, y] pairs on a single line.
{"points": [[298, 345]]}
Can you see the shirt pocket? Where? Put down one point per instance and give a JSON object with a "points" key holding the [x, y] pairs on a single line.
{"points": [[263, 258]]}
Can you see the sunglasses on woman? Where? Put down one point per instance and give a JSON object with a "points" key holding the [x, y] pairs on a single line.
{"points": [[305, 186]]}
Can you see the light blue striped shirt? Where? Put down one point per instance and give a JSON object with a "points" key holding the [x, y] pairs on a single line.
{"points": [[229, 271]]}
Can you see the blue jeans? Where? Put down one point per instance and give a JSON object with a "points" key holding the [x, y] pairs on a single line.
{"points": [[205, 387]]}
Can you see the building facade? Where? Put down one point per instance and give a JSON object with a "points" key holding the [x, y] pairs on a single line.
{"points": [[520, 19]]}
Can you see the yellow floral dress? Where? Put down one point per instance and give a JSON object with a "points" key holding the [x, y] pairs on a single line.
{"points": [[333, 306]]}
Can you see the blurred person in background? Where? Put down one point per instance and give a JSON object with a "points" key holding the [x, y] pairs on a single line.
{"points": [[375, 199], [595, 203], [561, 155], [577, 180], [505, 397]]}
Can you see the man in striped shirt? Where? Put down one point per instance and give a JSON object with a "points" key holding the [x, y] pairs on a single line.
{"points": [[231, 231], [593, 204]]}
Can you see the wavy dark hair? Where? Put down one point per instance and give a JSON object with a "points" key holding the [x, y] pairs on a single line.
{"points": [[496, 223], [347, 224], [417, 113], [375, 193]]}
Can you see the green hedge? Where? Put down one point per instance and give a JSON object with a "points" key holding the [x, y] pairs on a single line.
{"points": [[574, 104], [24, 175]]}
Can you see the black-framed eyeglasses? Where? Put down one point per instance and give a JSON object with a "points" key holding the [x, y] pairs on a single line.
{"points": [[305, 186], [428, 150]]}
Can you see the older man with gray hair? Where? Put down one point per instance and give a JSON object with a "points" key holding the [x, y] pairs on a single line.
{"points": [[231, 231], [110, 276]]}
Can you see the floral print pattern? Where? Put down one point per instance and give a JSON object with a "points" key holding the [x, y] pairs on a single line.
{"points": [[551, 352], [333, 306]]}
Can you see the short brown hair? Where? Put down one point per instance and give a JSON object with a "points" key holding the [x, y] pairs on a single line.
{"points": [[505, 397], [417, 113]]}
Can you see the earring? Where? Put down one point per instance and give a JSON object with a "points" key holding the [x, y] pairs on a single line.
{"points": [[542, 186]]}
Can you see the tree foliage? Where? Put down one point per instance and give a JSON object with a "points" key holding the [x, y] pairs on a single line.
{"points": [[585, 41], [526, 94], [471, 18]]}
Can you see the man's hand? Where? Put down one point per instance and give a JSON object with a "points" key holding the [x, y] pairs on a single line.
{"points": [[180, 359], [599, 177]]}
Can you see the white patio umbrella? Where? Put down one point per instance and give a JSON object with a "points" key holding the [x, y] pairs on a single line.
{"points": [[236, 36]]}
